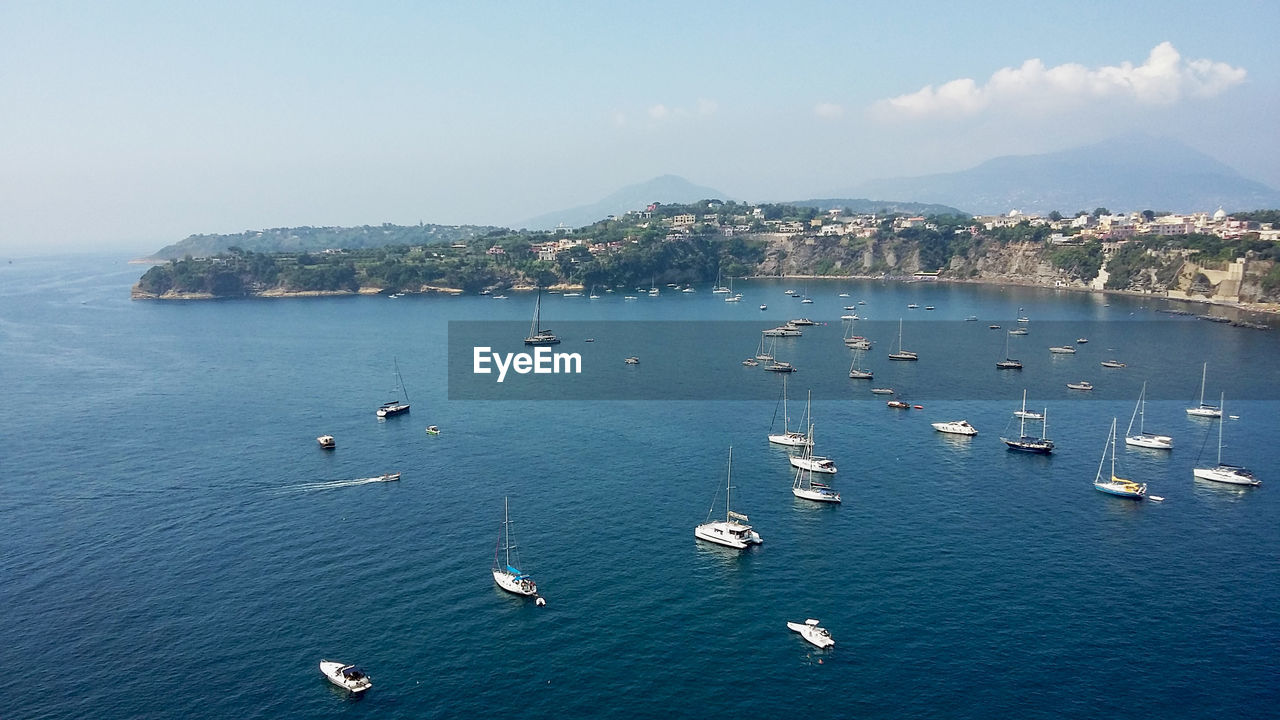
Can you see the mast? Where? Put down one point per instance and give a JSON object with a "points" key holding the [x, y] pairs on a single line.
{"points": [[1044, 424], [1137, 411], [400, 379], [1113, 449], [506, 528], [899, 335], [1022, 417], [1222, 419], [785, 423], [728, 486], [537, 309], [1203, 374]]}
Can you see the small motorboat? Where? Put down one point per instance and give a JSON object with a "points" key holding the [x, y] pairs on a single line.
{"points": [[812, 632], [389, 477], [1082, 340], [433, 430], [898, 404], [1082, 385], [751, 362], [327, 442], [993, 327], [632, 360], [347, 677], [1062, 350], [763, 306], [882, 391], [1112, 364]]}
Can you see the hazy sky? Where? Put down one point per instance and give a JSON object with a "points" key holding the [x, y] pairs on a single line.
{"points": [[130, 125]]}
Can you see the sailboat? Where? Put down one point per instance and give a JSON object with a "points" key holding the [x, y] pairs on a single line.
{"points": [[1008, 363], [1030, 443], [733, 296], [1144, 438], [791, 438], [1203, 410], [538, 336], [733, 531], [1225, 473], [761, 354], [902, 354], [509, 577], [395, 407], [1116, 485], [805, 488], [856, 372], [813, 463], [593, 295], [719, 289]]}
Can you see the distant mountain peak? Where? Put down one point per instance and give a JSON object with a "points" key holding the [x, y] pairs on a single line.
{"points": [[663, 189]]}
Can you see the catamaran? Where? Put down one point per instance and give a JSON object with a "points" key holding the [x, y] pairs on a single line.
{"points": [[1203, 410], [733, 531], [1223, 472], [1143, 438], [509, 577], [1117, 486]]}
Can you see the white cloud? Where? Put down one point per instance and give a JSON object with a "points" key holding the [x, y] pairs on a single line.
{"points": [[659, 112], [828, 110], [702, 108], [1163, 79]]}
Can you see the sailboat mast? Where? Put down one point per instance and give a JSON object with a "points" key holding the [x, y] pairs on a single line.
{"points": [[1203, 375], [728, 487], [1113, 448], [506, 530], [1222, 419]]}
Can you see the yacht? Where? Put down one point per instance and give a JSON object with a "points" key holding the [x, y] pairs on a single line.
{"points": [[1112, 364], [633, 360], [882, 391], [779, 366], [1082, 385], [327, 442], [733, 531], [510, 577], [1019, 331], [956, 427], [815, 635], [1203, 410], [763, 306], [1117, 486], [1143, 438], [347, 677], [1224, 472], [801, 321], [751, 362], [783, 331], [1063, 350], [1082, 340]]}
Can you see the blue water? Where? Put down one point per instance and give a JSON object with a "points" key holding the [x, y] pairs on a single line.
{"points": [[177, 546]]}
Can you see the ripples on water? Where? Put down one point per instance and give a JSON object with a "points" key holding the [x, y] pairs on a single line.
{"points": [[179, 547]]}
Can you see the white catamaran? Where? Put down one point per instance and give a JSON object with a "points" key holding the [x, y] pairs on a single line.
{"points": [[733, 531]]}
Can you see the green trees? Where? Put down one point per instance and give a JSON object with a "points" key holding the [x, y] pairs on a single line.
{"points": [[1080, 261]]}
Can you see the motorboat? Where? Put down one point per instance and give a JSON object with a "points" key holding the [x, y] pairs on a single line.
{"points": [[1112, 364], [898, 405], [347, 677], [971, 318], [1114, 485], [733, 531], [327, 442], [1225, 472], [1082, 385], [912, 306], [955, 427], [633, 360], [810, 631], [782, 331], [1020, 331], [1082, 340], [433, 430], [882, 391], [1204, 410], [1063, 350], [1143, 438], [389, 477], [801, 321], [763, 306], [780, 367], [751, 362]]}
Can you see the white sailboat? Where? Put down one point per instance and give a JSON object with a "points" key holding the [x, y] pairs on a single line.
{"points": [[1224, 472], [1143, 438], [804, 487], [733, 531], [720, 289], [761, 354], [1203, 410], [537, 335], [509, 576], [790, 438], [1117, 486], [858, 373], [399, 405], [902, 354], [813, 463]]}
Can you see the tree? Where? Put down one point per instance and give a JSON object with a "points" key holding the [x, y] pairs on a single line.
{"points": [[1148, 215], [1055, 216], [1100, 211]]}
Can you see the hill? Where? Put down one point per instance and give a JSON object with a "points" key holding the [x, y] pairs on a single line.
{"points": [[882, 207], [315, 239], [663, 189], [1129, 173]]}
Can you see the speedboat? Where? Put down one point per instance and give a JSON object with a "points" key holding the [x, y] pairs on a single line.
{"points": [[763, 306], [1112, 364], [751, 362], [780, 366], [1063, 350], [632, 360], [1082, 340], [810, 631], [389, 477], [882, 391], [1019, 331], [1082, 385], [898, 404], [956, 427], [347, 677], [433, 430], [327, 442]]}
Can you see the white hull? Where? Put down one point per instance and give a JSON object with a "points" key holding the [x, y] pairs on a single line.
{"points": [[524, 586], [728, 533], [815, 635], [814, 464], [1225, 475], [816, 494], [1208, 412], [955, 428], [333, 672], [791, 439], [1156, 442], [1136, 491]]}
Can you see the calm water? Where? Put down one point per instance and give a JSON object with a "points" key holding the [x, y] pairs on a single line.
{"points": [[177, 546]]}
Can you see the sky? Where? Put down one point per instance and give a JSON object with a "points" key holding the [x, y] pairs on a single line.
{"points": [[126, 126]]}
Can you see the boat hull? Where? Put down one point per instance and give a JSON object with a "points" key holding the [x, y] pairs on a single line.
{"points": [[1205, 412], [1029, 445], [816, 494], [728, 534], [812, 635], [1228, 475], [791, 440], [1155, 442], [818, 465], [1132, 491], [332, 672], [515, 585]]}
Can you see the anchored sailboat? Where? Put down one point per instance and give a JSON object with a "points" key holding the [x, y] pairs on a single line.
{"points": [[1144, 438], [1203, 410], [1117, 486], [1224, 472], [791, 438], [509, 577], [902, 354], [537, 335], [733, 531], [397, 406]]}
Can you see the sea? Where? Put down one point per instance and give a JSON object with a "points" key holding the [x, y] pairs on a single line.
{"points": [[177, 545]]}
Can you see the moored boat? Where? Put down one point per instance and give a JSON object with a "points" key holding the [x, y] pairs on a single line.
{"points": [[327, 442], [815, 635], [347, 677], [1118, 486], [733, 531], [955, 427]]}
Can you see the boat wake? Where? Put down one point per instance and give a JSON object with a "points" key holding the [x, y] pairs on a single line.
{"points": [[335, 484]]}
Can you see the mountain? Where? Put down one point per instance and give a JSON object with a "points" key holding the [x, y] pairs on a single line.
{"points": [[863, 206], [314, 239], [664, 189], [1127, 173]]}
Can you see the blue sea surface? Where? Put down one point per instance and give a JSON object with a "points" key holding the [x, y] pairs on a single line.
{"points": [[178, 546]]}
